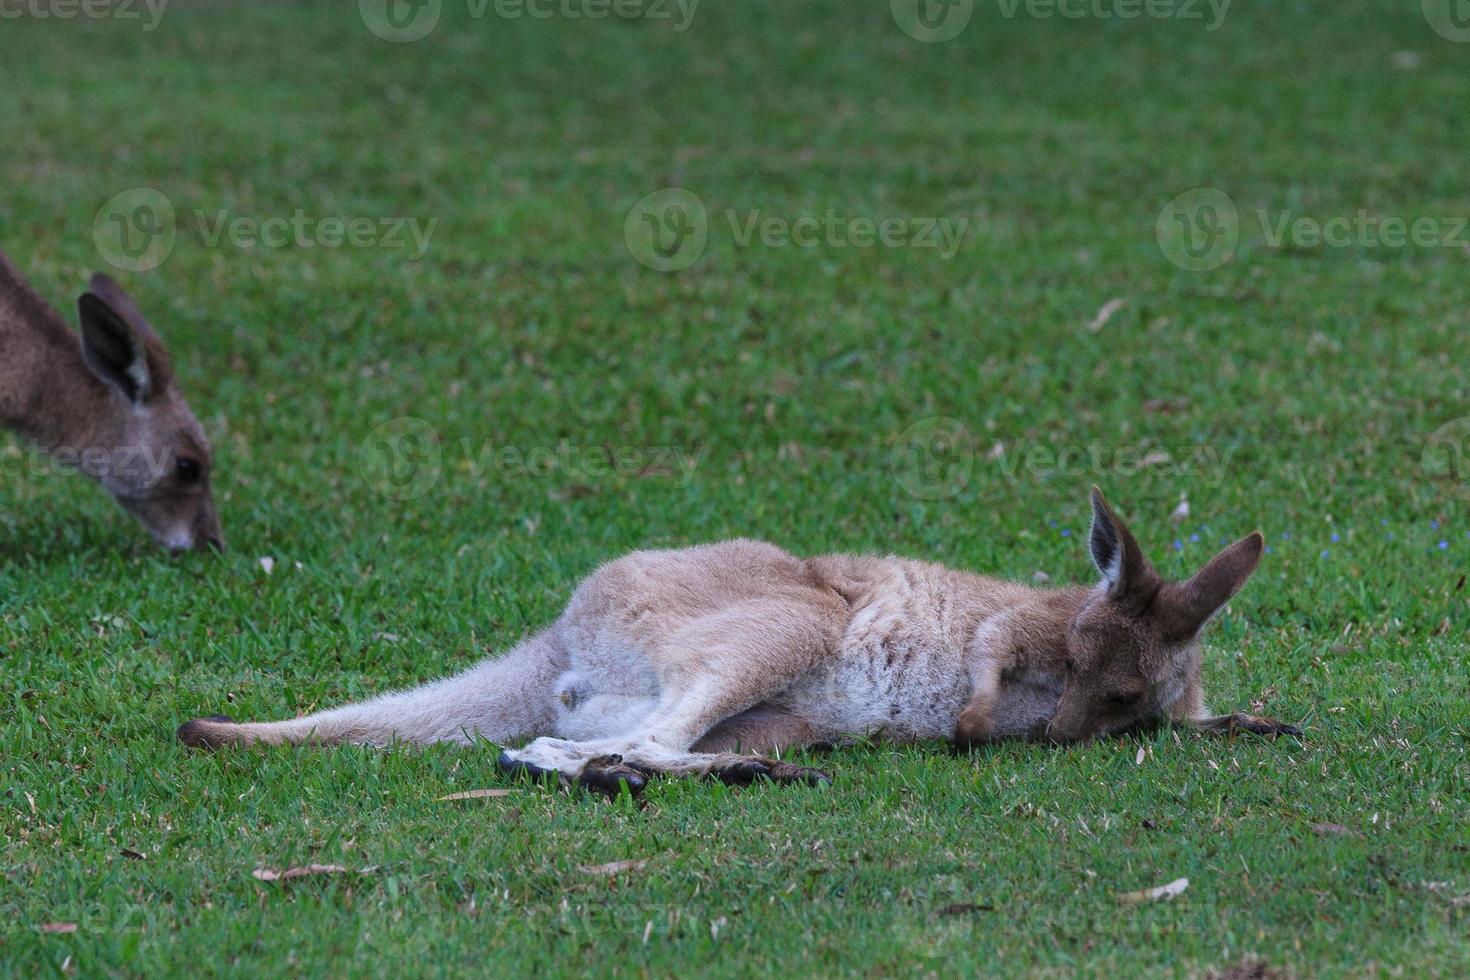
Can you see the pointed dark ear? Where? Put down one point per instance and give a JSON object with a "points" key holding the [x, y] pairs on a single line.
{"points": [[1189, 605], [118, 344], [106, 288], [1114, 550], [113, 350]]}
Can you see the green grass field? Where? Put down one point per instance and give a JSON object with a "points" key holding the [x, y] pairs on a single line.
{"points": [[825, 396]]}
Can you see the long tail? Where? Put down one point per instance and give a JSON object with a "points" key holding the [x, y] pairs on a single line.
{"points": [[500, 700]]}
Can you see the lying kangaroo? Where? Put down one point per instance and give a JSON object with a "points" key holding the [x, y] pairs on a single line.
{"points": [[678, 661], [106, 403]]}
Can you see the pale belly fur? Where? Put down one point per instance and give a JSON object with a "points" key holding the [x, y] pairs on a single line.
{"points": [[899, 672], [905, 671]]}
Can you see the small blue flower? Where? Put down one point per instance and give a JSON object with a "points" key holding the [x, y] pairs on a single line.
{"points": [[1325, 552], [1268, 549], [1285, 535], [1384, 522], [1335, 537], [1434, 525], [1066, 532], [1050, 522], [1178, 545], [1443, 545], [1194, 537]]}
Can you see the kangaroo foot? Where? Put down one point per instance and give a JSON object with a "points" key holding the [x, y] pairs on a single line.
{"points": [[743, 772], [608, 774]]}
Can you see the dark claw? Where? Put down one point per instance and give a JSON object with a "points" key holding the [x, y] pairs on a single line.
{"points": [[515, 767], [747, 771], [742, 773], [781, 772], [608, 775]]}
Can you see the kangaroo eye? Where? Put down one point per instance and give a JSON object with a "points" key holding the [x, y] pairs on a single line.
{"points": [[187, 470]]}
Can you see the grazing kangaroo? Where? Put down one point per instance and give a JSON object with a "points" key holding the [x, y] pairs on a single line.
{"points": [[677, 661], [106, 404]]}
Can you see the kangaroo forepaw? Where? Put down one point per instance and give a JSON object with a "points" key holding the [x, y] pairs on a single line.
{"points": [[1254, 724], [608, 774], [1269, 727], [525, 770], [605, 774], [743, 772]]}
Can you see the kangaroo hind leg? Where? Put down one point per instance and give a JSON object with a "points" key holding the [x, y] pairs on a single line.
{"points": [[711, 669]]}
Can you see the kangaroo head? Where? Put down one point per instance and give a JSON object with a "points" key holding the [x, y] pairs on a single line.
{"points": [[146, 448], [1133, 649]]}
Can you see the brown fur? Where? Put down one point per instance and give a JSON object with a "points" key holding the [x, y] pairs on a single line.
{"points": [[106, 403]]}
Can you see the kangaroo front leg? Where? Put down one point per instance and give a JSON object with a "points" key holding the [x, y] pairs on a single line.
{"points": [[1191, 713], [977, 720], [1238, 722]]}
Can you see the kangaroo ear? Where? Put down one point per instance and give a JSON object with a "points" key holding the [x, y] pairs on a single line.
{"points": [[118, 344], [1114, 550], [112, 349], [106, 289], [1192, 603]]}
